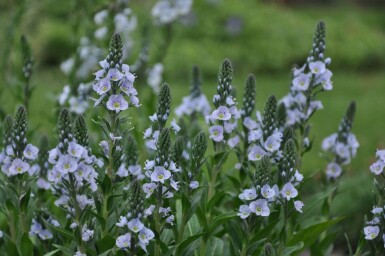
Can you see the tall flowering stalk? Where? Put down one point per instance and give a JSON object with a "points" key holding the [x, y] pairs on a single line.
{"points": [[373, 231], [341, 145], [308, 81], [73, 179], [17, 158], [114, 86]]}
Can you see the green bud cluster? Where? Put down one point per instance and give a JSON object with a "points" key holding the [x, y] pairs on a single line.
{"points": [[319, 45], [163, 107], [136, 199], [163, 147], [199, 147], [43, 155], [268, 250], [7, 130], [27, 58], [263, 172], [249, 97], [288, 160], [19, 131], [80, 131], [281, 115], [115, 53], [224, 89], [64, 128], [346, 123], [196, 83], [269, 117], [177, 150], [131, 150]]}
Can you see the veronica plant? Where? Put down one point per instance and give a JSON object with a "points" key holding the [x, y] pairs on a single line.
{"points": [[17, 158]]}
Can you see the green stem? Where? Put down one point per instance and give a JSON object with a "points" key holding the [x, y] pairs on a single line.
{"points": [[22, 221], [111, 145], [282, 243], [158, 227]]}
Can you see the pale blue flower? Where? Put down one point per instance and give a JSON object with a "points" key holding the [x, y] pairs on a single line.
{"points": [[301, 82], [244, 211], [256, 153], [18, 166], [124, 241], [146, 235], [248, 194], [216, 133], [267, 192], [135, 225], [117, 103], [259, 207], [31, 152], [289, 191], [298, 205], [371, 232], [160, 174]]}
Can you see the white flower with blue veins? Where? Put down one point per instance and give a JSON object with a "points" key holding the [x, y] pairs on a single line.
{"points": [[145, 235], [259, 207], [301, 82], [149, 188], [216, 133], [221, 113], [289, 191], [273, 142], [256, 153], [248, 194], [66, 164], [124, 241], [371, 232], [267, 192], [317, 67], [254, 135], [114, 74], [18, 166], [244, 211], [299, 205], [377, 167], [160, 174], [117, 103], [135, 225], [333, 170], [31, 152]]}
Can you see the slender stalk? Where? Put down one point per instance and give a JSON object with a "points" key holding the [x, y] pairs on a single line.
{"points": [[282, 243], [158, 227], [111, 145]]}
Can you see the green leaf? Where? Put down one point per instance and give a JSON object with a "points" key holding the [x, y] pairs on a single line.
{"points": [[220, 219], [25, 200], [63, 232], [11, 248], [64, 249], [310, 234], [52, 253], [214, 200], [292, 249], [106, 253], [105, 244], [184, 244], [26, 246], [107, 185]]}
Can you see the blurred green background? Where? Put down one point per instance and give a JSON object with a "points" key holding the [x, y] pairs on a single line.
{"points": [[262, 37]]}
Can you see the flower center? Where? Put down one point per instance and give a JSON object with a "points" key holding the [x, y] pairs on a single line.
{"points": [[19, 168], [258, 209], [66, 166], [221, 115], [288, 192], [116, 104], [160, 176]]}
